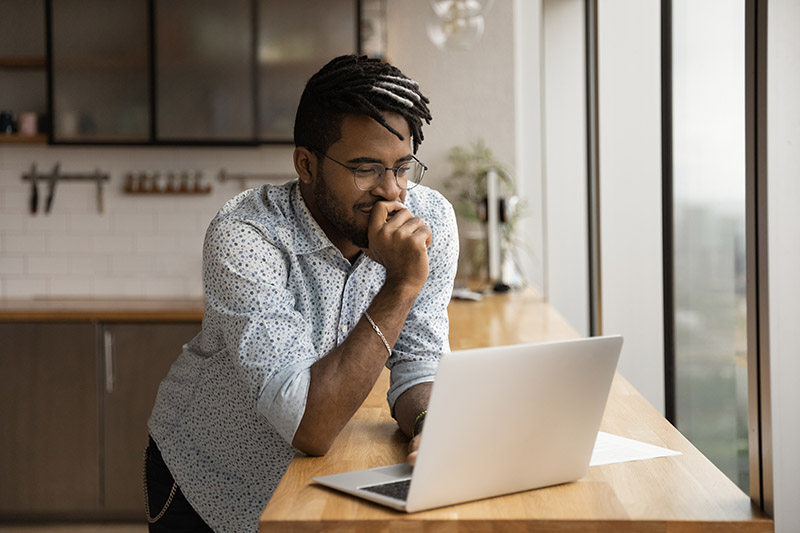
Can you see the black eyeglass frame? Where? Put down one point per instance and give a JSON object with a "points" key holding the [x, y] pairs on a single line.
{"points": [[410, 184]]}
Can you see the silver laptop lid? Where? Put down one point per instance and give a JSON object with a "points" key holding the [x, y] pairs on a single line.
{"points": [[512, 418]]}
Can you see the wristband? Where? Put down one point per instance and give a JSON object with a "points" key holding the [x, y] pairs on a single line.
{"points": [[418, 422]]}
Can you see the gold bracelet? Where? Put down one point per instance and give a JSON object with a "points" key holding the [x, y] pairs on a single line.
{"points": [[378, 331]]}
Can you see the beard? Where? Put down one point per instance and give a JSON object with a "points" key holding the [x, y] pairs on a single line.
{"points": [[338, 215]]}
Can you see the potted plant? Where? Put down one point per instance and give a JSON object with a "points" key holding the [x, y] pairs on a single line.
{"points": [[468, 185]]}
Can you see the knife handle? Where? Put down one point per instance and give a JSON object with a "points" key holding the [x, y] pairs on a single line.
{"points": [[34, 196]]}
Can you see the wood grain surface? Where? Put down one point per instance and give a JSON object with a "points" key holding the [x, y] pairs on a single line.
{"points": [[669, 494], [102, 310]]}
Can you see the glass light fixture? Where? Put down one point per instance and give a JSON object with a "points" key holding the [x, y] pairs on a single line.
{"points": [[457, 24]]}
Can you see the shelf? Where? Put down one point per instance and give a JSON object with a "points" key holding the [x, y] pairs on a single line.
{"points": [[23, 63], [22, 139], [167, 192]]}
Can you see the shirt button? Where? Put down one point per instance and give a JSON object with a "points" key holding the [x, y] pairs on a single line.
{"points": [[344, 328]]}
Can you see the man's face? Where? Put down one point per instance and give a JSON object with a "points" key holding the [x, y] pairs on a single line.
{"points": [[344, 209]]}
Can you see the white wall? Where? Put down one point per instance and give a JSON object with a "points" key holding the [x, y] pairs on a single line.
{"points": [[629, 56], [528, 50], [565, 160], [783, 197]]}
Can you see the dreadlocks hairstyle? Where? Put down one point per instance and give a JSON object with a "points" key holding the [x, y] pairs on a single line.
{"points": [[357, 85]]}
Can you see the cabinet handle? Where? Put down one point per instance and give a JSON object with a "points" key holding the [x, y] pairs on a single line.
{"points": [[108, 353]]}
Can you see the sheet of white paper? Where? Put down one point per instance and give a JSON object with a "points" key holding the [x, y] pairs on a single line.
{"points": [[610, 449]]}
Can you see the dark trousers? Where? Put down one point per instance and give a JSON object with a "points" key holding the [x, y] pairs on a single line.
{"points": [[179, 516]]}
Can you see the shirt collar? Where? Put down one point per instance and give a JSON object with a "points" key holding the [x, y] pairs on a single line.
{"points": [[309, 237]]}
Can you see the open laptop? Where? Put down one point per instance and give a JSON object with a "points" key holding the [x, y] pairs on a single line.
{"points": [[500, 420]]}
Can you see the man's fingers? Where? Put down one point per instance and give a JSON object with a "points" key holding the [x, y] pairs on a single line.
{"points": [[413, 446], [383, 211]]}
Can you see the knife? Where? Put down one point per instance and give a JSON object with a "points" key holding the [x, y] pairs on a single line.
{"points": [[100, 200], [34, 190], [51, 190]]}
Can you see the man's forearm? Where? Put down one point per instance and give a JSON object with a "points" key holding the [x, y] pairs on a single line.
{"points": [[342, 379], [409, 406]]}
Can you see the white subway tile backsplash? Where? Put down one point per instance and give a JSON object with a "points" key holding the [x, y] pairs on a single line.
{"points": [[12, 265], [119, 286], [68, 244], [27, 287], [171, 222], [71, 287], [111, 243], [142, 245], [142, 264], [47, 265], [187, 265], [11, 222], [133, 222], [164, 286], [43, 223], [194, 286], [25, 243], [89, 265], [157, 243], [87, 223], [15, 201]]}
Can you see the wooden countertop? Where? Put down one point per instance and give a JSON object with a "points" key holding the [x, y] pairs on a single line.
{"points": [[681, 493], [102, 310]]}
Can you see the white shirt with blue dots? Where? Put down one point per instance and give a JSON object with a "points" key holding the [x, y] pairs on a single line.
{"points": [[278, 297]]}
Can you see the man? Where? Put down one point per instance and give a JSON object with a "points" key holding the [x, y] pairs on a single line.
{"points": [[311, 288]]}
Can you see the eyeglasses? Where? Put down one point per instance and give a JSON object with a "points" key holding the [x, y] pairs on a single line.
{"points": [[369, 175]]}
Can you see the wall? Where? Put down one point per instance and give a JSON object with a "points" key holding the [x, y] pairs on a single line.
{"points": [[140, 246], [629, 86], [565, 160], [151, 246], [471, 91], [783, 197], [528, 60], [472, 95]]}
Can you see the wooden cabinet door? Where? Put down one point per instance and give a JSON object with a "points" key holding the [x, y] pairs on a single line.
{"points": [[135, 358], [49, 456]]}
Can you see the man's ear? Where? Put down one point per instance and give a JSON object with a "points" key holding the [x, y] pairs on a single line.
{"points": [[304, 164]]}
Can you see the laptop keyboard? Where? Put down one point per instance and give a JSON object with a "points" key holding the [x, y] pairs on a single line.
{"points": [[395, 489]]}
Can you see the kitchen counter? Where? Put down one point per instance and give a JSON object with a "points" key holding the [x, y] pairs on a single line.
{"points": [[684, 493], [102, 309]]}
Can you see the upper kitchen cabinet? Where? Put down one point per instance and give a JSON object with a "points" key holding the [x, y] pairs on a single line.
{"points": [[23, 71], [292, 46], [188, 71], [100, 70], [205, 88]]}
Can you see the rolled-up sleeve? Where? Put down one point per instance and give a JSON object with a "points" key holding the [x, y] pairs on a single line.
{"points": [[425, 335]]}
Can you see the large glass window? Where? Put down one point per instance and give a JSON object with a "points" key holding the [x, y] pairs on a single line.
{"points": [[708, 101]]}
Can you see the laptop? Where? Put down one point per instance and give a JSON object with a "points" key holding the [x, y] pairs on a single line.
{"points": [[500, 420]]}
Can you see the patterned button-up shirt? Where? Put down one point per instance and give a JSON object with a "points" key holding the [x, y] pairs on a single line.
{"points": [[279, 296]]}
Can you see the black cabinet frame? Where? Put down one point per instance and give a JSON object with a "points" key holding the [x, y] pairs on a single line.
{"points": [[153, 81]]}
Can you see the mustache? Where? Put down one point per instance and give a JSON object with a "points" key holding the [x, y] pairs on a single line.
{"points": [[369, 205], [365, 205]]}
